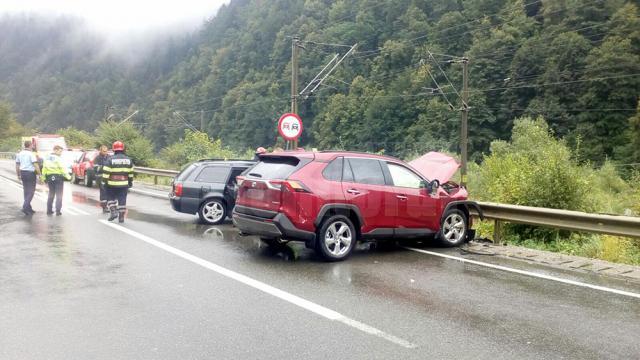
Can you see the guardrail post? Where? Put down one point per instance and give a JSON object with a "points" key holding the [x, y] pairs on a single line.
{"points": [[497, 232], [155, 179]]}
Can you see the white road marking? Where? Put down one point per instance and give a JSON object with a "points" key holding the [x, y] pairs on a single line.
{"points": [[529, 273], [281, 294]]}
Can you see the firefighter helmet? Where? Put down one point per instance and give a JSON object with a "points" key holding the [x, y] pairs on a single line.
{"points": [[117, 146]]}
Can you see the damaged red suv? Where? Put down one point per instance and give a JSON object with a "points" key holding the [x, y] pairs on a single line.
{"points": [[331, 200]]}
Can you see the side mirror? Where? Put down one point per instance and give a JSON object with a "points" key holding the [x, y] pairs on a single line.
{"points": [[433, 186]]}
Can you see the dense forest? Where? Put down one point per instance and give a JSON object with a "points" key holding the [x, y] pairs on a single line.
{"points": [[574, 62]]}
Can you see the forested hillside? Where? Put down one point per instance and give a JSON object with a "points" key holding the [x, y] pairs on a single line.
{"points": [[574, 62]]}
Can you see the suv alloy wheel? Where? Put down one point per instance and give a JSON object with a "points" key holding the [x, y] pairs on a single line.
{"points": [[453, 230], [336, 238], [212, 212]]}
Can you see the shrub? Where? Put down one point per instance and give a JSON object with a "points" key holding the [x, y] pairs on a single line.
{"points": [[534, 169], [77, 138], [196, 145], [137, 146]]}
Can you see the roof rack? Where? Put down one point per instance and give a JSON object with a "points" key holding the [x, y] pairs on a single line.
{"points": [[358, 152], [247, 160]]}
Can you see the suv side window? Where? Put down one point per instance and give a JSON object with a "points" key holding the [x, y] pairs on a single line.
{"points": [[213, 174], [403, 177], [367, 171], [333, 171]]}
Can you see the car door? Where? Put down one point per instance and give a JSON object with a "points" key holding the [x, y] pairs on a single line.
{"points": [[231, 187], [212, 179], [363, 185], [416, 207]]}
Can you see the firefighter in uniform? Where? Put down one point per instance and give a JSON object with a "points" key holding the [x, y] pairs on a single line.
{"points": [[100, 161], [117, 175]]}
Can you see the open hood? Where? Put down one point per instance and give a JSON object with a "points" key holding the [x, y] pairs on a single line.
{"points": [[436, 166]]}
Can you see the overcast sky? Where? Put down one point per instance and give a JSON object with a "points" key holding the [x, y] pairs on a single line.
{"points": [[121, 16]]}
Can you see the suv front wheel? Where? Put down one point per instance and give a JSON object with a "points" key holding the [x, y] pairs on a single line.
{"points": [[212, 212], [453, 230], [336, 238]]}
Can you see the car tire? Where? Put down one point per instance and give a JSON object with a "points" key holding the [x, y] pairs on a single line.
{"points": [[453, 228], [74, 178], [212, 211], [88, 179], [336, 238]]}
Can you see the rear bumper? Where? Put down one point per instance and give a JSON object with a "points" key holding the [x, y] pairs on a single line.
{"points": [[184, 205], [268, 224]]}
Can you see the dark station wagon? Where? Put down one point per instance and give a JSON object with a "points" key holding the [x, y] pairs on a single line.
{"points": [[208, 188]]}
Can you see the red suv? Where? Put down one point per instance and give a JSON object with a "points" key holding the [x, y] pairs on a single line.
{"points": [[330, 200]]}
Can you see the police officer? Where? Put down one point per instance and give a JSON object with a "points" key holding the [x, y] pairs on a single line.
{"points": [[28, 170], [101, 160], [55, 172], [117, 174]]}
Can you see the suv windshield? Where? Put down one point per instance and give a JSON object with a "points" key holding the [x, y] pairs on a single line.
{"points": [[274, 167]]}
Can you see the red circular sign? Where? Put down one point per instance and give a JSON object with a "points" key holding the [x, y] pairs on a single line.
{"points": [[290, 126]]}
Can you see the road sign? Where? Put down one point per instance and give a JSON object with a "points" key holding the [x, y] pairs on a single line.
{"points": [[290, 126]]}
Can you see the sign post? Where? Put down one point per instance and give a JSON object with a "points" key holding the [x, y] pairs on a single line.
{"points": [[290, 127]]}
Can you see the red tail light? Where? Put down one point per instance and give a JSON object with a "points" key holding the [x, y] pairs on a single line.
{"points": [[291, 185], [177, 189]]}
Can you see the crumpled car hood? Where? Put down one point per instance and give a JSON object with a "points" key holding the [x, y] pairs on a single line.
{"points": [[434, 165]]}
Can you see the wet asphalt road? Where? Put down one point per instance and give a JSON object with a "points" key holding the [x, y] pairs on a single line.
{"points": [[72, 287]]}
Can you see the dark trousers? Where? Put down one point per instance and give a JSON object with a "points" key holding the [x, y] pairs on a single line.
{"points": [[28, 188], [55, 190], [117, 195], [103, 190]]}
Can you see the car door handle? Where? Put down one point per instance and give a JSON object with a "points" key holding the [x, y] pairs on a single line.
{"points": [[353, 191], [401, 197]]}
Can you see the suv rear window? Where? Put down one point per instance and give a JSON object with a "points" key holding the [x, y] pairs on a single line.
{"points": [[186, 171], [276, 167]]}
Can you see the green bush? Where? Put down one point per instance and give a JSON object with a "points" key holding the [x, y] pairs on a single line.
{"points": [[77, 138], [196, 145], [534, 169], [137, 146]]}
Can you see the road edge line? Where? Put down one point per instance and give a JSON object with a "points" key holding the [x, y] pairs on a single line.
{"points": [[528, 273]]}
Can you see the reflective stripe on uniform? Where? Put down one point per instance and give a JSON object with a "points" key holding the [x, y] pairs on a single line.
{"points": [[118, 183]]}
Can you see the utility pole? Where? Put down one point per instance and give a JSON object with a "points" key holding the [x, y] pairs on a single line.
{"points": [[464, 139], [294, 85], [202, 120]]}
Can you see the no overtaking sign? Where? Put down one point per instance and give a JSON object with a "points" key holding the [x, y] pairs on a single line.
{"points": [[290, 126]]}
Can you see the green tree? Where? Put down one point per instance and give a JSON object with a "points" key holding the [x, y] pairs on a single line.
{"points": [[196, 145], [77, 138], [136, 145]]}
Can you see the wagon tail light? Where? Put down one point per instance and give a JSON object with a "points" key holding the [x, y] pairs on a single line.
{"points": [[289, 185], [177, 189]]}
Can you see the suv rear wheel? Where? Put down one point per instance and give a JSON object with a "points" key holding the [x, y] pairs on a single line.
{"points": [[212, 212], [336, 238], [453, 230]]}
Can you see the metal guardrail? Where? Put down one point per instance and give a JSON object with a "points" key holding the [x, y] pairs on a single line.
{"points": [[7, 155], [559, 219], [155, 173]]}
